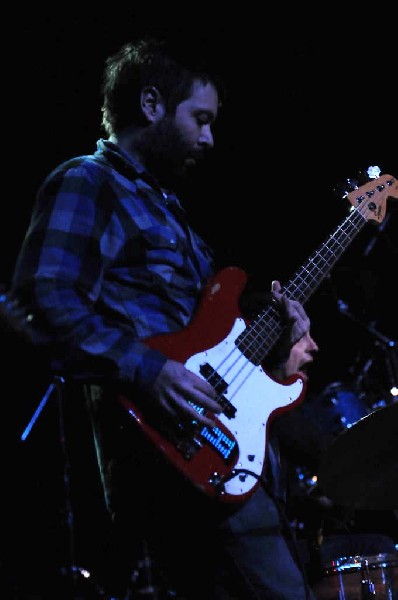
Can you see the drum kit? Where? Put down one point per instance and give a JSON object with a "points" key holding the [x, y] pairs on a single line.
{"points": [[359, 470]]}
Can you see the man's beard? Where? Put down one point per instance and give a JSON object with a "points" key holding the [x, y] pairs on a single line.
{"points": [[164, 151]]}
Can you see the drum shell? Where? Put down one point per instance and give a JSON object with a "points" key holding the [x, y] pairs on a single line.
{"points": [[343, 578], [336, 409]]}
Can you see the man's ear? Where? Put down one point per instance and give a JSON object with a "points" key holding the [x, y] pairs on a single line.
{"points": [[152, 104]]}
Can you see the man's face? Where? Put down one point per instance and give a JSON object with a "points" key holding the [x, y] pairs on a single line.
{"points": [[300, 356], [194, 119], [175, 143]]}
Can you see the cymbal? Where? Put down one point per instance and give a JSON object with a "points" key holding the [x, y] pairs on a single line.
{"points": [[359, 469]]}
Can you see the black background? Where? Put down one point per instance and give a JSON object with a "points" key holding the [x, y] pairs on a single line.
{"points": [[311, 100]]}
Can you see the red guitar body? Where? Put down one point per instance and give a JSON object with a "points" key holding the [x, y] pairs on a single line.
{"points": [[226, 460]]}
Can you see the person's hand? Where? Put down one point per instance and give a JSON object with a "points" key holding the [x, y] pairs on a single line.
{"points": [[175, 387], [294, 315]]}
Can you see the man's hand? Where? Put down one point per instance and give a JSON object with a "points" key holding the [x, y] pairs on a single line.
{"points": [[293, 313], [176, 386]]}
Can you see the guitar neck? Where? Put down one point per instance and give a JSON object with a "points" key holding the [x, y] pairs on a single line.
{"points": [[307, 279], [262, 334]]}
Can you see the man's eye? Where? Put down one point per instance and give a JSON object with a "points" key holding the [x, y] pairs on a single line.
{"points": [[203, 119]]}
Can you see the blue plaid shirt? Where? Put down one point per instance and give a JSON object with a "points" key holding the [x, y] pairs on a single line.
{"points": [[108, 260]]}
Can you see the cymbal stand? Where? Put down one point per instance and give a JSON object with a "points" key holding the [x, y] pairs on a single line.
{"points": [[388, 347], [391, 361]]}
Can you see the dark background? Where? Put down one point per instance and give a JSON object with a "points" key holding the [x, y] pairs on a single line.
{"points": [[311, 101]]}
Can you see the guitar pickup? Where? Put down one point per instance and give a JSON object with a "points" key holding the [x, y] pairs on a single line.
{"points": [[221, 386]]}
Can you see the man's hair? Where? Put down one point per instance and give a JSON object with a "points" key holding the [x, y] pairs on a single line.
{"points": [[147, 62]]}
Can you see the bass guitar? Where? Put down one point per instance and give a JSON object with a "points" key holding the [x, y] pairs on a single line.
{"points": [[226, 461]]}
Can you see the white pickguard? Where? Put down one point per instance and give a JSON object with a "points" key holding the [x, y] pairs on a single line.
{"points": [[255, 396]]}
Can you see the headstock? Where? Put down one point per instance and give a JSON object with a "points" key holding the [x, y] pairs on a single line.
{"points": [[368, 193]]}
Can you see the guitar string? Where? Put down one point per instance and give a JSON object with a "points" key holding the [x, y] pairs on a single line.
{"points": [[334, 246], [273, 319]]}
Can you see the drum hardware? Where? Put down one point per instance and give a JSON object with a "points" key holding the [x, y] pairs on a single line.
{"points": [[387, 346], [367, 586], [385, 353], [307, 479], [359, 578]]}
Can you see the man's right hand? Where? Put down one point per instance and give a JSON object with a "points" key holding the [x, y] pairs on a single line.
{"points": [[175, 387]]}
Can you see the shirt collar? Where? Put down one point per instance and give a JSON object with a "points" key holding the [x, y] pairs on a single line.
{"points": [[130, 165]]}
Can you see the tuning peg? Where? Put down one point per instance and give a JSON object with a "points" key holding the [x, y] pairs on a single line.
{"points": [[349, 185], [344, 188]]}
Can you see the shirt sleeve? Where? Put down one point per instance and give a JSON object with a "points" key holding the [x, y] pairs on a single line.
{"points": [[61, 265]]}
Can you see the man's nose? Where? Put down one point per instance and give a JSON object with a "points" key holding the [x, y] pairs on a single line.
{"points": [[206, 136]]}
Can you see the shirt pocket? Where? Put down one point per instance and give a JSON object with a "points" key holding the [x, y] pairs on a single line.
{"points": [[164, 250]]}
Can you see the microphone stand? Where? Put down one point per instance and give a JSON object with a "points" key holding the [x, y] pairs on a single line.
{"points": [[14, 320], [56, 388]]}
